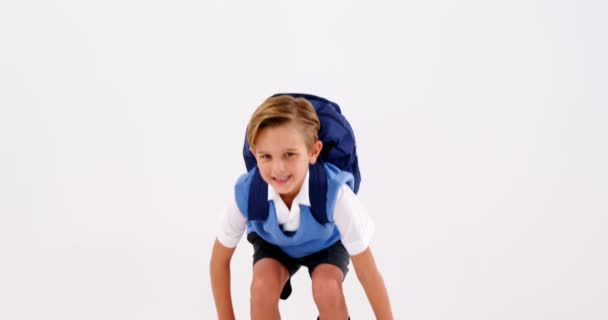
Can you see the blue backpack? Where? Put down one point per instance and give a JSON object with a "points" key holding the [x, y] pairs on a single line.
{"points": [[339, 149]]}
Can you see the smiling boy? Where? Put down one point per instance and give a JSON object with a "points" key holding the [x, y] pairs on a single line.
{"points": [[283, 137]]}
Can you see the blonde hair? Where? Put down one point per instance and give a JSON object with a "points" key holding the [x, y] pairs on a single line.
{"points": [[279, 110]]}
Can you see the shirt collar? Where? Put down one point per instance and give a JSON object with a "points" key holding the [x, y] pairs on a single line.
{"points": [[302, 198]]}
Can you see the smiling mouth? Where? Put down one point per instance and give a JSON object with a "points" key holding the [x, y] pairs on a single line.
{"points": [[281, 180]]}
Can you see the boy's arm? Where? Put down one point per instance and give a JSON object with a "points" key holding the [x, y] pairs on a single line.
{"points": [[220, 280], [372, 283]]}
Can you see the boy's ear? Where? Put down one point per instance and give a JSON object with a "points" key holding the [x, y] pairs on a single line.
{"points": [[316, 151]]}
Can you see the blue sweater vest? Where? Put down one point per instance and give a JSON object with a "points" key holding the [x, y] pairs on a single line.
{"points": [[311, 236]]}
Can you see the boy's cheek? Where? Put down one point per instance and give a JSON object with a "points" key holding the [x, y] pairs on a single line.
{"points": [[263, 174]]}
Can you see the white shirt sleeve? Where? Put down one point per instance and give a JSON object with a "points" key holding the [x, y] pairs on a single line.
{"points": [[355, 226], [232, 225]]}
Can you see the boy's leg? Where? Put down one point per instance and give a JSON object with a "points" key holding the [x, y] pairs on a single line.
{"points": [[327, 270], [327, 292], [269, 277], [272, 269]]}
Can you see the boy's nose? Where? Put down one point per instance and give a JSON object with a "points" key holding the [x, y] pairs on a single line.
{"points": [[278, 166]]}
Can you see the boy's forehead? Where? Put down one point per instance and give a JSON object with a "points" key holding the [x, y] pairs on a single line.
{"points": [[280, 137], [270, 148], [278, 146]]}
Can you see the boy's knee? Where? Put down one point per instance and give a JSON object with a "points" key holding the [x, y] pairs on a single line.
{"points": [[327, 291], [264, 291]]}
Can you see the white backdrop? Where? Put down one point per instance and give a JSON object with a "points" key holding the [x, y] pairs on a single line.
{"points": [[481, 128]]}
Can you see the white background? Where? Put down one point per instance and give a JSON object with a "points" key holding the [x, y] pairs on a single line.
{"points": [[481, 129]]}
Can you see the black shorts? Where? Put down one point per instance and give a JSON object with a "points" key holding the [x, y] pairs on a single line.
{"points": [[335, 255]]}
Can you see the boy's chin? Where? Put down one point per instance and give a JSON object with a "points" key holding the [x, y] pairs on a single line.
{"points": [[282, 189], [279, 188]]}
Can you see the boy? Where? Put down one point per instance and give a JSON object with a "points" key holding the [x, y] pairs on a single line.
{"points": [[283, 136]]}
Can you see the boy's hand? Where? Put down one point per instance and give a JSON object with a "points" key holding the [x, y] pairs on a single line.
{"points": [[220, 280], [372, 283]]}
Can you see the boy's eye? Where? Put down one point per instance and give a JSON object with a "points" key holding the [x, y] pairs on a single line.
{"points": [[265, 157], [290, 154]]}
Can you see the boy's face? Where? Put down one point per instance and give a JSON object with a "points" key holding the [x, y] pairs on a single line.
{"points": [[283, 158]]}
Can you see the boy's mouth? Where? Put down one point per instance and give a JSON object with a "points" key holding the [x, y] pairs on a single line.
{"points": [[281, 180]]}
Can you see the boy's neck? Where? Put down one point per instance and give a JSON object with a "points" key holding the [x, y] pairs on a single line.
{"points": [[288, 200]]}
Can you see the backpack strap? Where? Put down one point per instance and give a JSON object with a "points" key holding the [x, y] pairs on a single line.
{"points": [[317, 191], [257, 205], [258, 194]]}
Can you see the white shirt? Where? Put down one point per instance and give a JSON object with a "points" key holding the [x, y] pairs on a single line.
{"points": [[354, 224]]}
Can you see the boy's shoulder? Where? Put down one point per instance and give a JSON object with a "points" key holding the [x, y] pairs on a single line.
{"points": [[339, 177], [245, 177]]}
